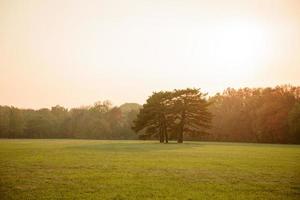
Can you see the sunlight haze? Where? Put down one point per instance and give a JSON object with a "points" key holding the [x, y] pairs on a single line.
{"points": [[74, 53]]}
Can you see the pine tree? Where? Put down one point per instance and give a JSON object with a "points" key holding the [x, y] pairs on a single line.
{"points": [[152, 119], [190, 112], [181, 111]]}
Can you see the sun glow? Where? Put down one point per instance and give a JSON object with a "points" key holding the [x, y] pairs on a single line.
{"points": [[73, 53], [238, 49]]}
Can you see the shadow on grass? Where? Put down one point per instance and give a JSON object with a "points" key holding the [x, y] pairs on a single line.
{"points": [[135, 146]]}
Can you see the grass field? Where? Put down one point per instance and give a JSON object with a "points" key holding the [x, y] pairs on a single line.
{"points": [[93, 169]]}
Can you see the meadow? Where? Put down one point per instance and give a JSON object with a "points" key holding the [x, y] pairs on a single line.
{"points": [[95, 169]]}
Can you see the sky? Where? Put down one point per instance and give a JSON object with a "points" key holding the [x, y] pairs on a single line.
{"points": [[77, 52]]}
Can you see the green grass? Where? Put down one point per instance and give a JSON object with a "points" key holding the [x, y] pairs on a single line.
{"points": [[93, 169]]}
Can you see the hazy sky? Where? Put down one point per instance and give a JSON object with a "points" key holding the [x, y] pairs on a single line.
{"points": [[73, 53]]}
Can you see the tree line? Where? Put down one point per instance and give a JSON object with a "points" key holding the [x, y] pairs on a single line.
{"points": [[100, 121], [270, 115]]}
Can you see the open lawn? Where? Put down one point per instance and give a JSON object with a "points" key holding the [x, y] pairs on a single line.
{"points": [[94, 169]]}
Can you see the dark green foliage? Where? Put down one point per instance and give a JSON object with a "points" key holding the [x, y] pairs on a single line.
{"points": [[152, 119], [180, 112], [190, 109]]}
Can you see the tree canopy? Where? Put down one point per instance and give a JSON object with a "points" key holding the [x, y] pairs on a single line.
{"points": [[179, 112]]}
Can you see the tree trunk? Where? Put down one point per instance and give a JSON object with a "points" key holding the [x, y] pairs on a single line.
{"points": [[180, 133], [161, 136], [180, 137], [166, 135]]}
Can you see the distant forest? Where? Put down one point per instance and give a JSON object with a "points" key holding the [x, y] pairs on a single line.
{"points": [[260, 115]]}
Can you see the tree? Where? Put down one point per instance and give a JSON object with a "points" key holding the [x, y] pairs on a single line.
{"points": [[239, 115], [184, 112], [60, 115], [153, 117], [294, 123], [4, 121], [190, 112], [16, 123], [253, 115]]}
